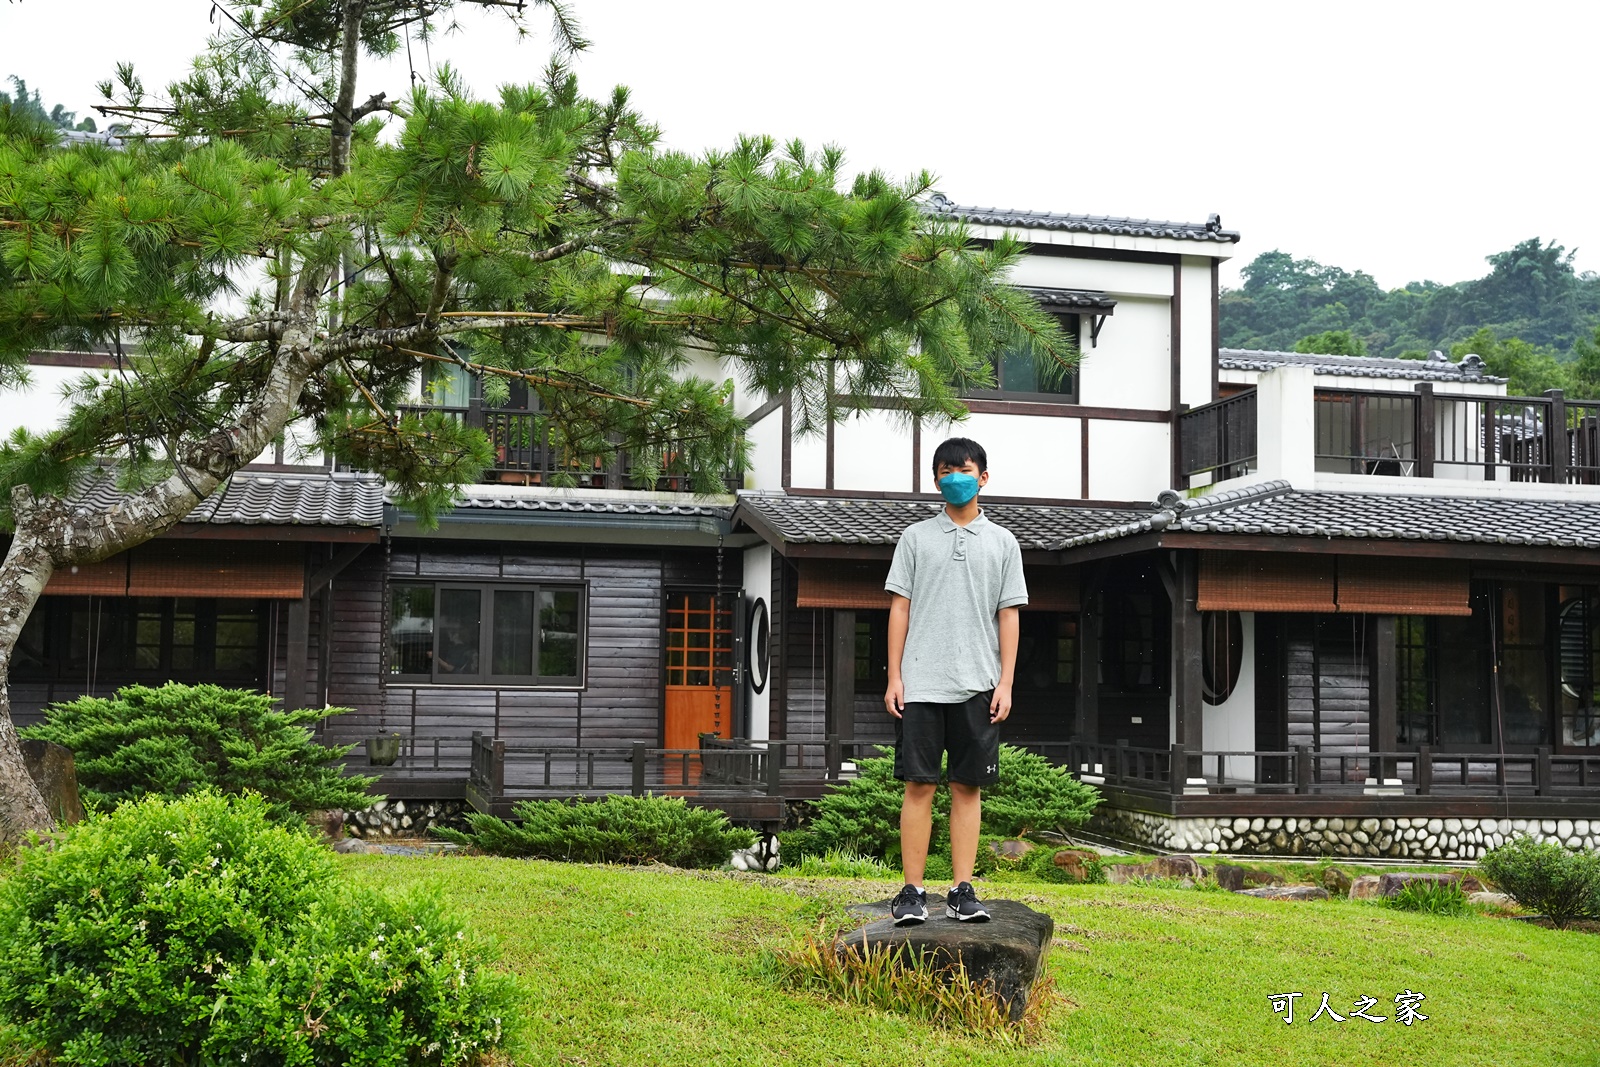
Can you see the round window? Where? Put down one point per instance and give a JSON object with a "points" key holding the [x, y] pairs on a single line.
{"points": [[1222, 651], [755, 646]]}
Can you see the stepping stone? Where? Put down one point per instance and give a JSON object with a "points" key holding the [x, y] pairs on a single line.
{"points": [[1287, 892], [1007, 951]]}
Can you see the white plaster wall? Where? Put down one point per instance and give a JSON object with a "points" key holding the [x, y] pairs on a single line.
{"points": [[765, 439], [1120, 279], [1128, 460], [872, 451], [1029, 455], [758, 586], [1231, 725], [808, 461], [1194, 383], [1286, 426], [37, 406], [1132, 365]]}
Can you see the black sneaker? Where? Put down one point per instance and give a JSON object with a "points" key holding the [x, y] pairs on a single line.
{"points": [[910, 905], [963, 904]]}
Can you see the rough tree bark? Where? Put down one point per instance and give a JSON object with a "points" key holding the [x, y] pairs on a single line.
{"points": [[52, 532]]}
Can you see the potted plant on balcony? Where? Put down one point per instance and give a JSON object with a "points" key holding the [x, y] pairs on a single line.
{"points": [[383, 749]]}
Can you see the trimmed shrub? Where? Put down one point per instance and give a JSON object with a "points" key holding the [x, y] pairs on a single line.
{"points": [[837, 864], [614, 829], [1542, 876], [1033, 794], [357, 967], [169, 740], [196, 930], [863, 815]]}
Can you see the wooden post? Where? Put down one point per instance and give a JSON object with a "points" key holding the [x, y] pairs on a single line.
{"points": [[499, 779], [839, 717], [1383, 693], [835, 758], [1178, 769], [1555, 437], [1541, 770], [299, 637], [1187, 679], [1086, 715], [638, 757], [1424, 770], [1302, 769], [1426, 445], [774, 768]]}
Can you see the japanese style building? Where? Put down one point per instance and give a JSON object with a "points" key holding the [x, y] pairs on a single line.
{"points": [[1278, 602]]}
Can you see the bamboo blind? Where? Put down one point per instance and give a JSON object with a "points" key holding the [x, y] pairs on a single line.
{"points": [[1386, 586], [858, 585], [1261, 581], [191, 568]]}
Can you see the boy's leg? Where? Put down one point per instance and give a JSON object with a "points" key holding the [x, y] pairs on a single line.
{"points": [[918, 752], [916, 826], [966, 813]]}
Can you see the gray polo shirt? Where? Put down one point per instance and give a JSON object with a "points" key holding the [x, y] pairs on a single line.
{"points": [[957, 579]]}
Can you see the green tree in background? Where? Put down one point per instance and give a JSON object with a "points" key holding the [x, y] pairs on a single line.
{"points": [[25, 103], [1332, 343], [1585, 366], [1530, 369], [1532, 292]]}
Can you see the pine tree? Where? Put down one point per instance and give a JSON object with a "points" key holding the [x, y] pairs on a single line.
{"points": [[544, 237]]}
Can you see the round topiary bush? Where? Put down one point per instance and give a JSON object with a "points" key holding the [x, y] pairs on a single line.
{"points": [[190, 930]]}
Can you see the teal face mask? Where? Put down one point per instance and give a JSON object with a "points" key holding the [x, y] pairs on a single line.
{"points": [[958, 488]]}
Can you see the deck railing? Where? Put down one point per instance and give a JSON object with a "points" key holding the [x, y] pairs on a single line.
{"points": [[523, 454], [1511, 438], [1218, 439], [1302, 770]]}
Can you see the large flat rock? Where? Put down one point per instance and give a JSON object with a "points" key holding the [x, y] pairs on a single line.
{"points": [[1007, 951]]}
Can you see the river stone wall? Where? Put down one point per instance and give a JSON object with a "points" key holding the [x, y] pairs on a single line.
{"points": [[1395, 838], [405, 818]]}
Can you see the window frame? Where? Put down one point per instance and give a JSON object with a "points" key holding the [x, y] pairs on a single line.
{"points": [[114, 623], [1072, 325], [484, 678]]}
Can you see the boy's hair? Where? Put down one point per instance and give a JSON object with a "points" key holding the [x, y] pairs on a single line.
{"points": [[956, 451]]}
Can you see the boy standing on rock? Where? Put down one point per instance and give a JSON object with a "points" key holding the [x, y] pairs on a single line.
{"points": [[956, 584]]}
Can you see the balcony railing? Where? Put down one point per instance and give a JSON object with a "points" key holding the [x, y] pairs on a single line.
{"points": [[1547, 439], [523, 454], [1218, 440]]}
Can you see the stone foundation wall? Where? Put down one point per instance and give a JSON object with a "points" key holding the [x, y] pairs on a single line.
{"points": [[1394, 838], [405, 818]]}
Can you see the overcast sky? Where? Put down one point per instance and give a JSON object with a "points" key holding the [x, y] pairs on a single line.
{"points": [[1406, 139]]}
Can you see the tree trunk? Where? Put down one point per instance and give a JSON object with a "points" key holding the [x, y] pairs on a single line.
{"points": [[23, 575], [345, 106], [52, 532]]}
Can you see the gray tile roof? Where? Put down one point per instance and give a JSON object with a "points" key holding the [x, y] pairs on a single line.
{"points": [[1276, 509], [1470, 369], [695, 506], [1210, 230], [1073, 299], [255, 498], [865, 521]]}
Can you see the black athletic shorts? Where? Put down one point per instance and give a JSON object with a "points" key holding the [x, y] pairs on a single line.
{"points": [[925, 732]]}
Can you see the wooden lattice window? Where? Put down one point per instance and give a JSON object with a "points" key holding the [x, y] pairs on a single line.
{"points": [[699, 640]]}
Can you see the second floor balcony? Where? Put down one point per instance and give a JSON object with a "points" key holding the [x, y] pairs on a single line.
{"points": [[1351, 439]]}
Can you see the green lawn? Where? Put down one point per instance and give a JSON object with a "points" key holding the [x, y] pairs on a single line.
{"points": [[633, 966]]}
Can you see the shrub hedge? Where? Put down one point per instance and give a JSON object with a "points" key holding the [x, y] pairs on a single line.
{"points": [[1542, 876]]}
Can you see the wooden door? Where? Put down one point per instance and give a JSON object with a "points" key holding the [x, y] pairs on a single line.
{"points": [[699, 696]]}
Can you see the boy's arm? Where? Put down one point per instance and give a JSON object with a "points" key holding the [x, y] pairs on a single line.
{"points": [[1009, 621], [899, 623]]}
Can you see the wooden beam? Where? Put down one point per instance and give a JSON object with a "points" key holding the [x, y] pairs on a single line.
{"points": [[1086, 715], [298, 637], [330, 570]]}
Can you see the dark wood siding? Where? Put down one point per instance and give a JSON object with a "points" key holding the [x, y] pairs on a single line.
{"points": [[803, 638]]}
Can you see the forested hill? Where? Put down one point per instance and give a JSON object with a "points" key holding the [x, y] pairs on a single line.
{"points": [[1532, 317]]}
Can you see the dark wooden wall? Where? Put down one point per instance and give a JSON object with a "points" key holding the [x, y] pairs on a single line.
{"points": [[621, 701]]}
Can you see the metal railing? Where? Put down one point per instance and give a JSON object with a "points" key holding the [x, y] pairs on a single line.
{"points": [[1218, 439], [523, 454], [1512, 438]]}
